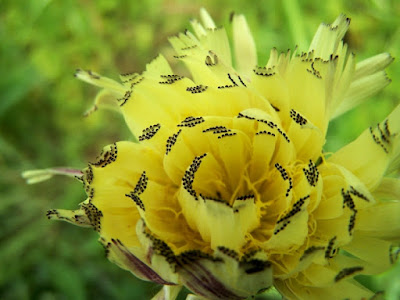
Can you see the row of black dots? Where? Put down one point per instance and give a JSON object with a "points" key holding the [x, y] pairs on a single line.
{"points": [[149, 132], [189, 47], [254, 265], [136, 199], [264, 72], [265, 132], [282, 227], [169, 79], [171, 141], [216, 199], [180, 56], [348, 201], [273, 125], [269, 123], [385, 135], [188, 177], [312, 173], [161, 248], [347, 272], [197, 89], [226, 135], [229, 252], [296, 209], [314, 71], [125, 98], [94, 215], [191, 121], [297, 117], [245, 197], [191, 256], [88, 175], [107, 157], [377, 140], [282, 170], [240, 115], [358, 194], [132, 76], [136, 81], [217, 129], [310, 251], [141, 185], [211, 59], [331, 250], [285, 177]]}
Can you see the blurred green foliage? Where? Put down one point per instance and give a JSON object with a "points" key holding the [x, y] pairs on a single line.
{"points": [[41, 123]]}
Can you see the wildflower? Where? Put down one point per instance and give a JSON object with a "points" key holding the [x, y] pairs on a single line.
{"points": [[227, 190]]}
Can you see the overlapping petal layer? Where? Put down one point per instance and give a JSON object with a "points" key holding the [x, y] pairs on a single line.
{"points": [[228, 191]]}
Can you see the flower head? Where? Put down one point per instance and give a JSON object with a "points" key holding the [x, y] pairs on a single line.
{"points": [[227, 190]]}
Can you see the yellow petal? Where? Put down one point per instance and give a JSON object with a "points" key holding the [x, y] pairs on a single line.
{"points": [[244, 46]]}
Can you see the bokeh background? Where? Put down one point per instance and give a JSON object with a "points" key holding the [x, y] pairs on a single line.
{"points": [[42, 42]]}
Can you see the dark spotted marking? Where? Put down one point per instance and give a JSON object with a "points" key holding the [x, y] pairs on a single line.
{"points": [[254, 265], [347, 272], [233, 81], [356, 193], [377, 140], [282, 170], [310, 251], [88, 175], [141, 185], [229, 252], [191, 121], [226, 134], [137, 200], [171, 141], [312, 173], [94, 215], [265, 132], [189, 47], [330, 251], [137, 81], [285, 177], [131, 78], [245, 197], [180, 56], [169, 79], [217, 129], [149, 132], [216, 199], [125, 98], [107, 157], [297, 117], [264, 71], [296, 209], [188, 177], [161, 248], [314, 71], [384, 137], [348, 201], [197, 89]]}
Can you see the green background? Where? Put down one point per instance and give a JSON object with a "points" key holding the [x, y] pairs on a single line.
{"points": [[42, 42]]}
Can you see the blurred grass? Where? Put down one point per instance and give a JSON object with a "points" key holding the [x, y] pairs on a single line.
{"points": [[41, 123]]}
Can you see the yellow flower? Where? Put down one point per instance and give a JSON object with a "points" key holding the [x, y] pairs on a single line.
{"points": [[227, 190]]}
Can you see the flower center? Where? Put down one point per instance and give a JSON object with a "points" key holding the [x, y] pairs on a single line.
{"points": [[232, 177]]}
